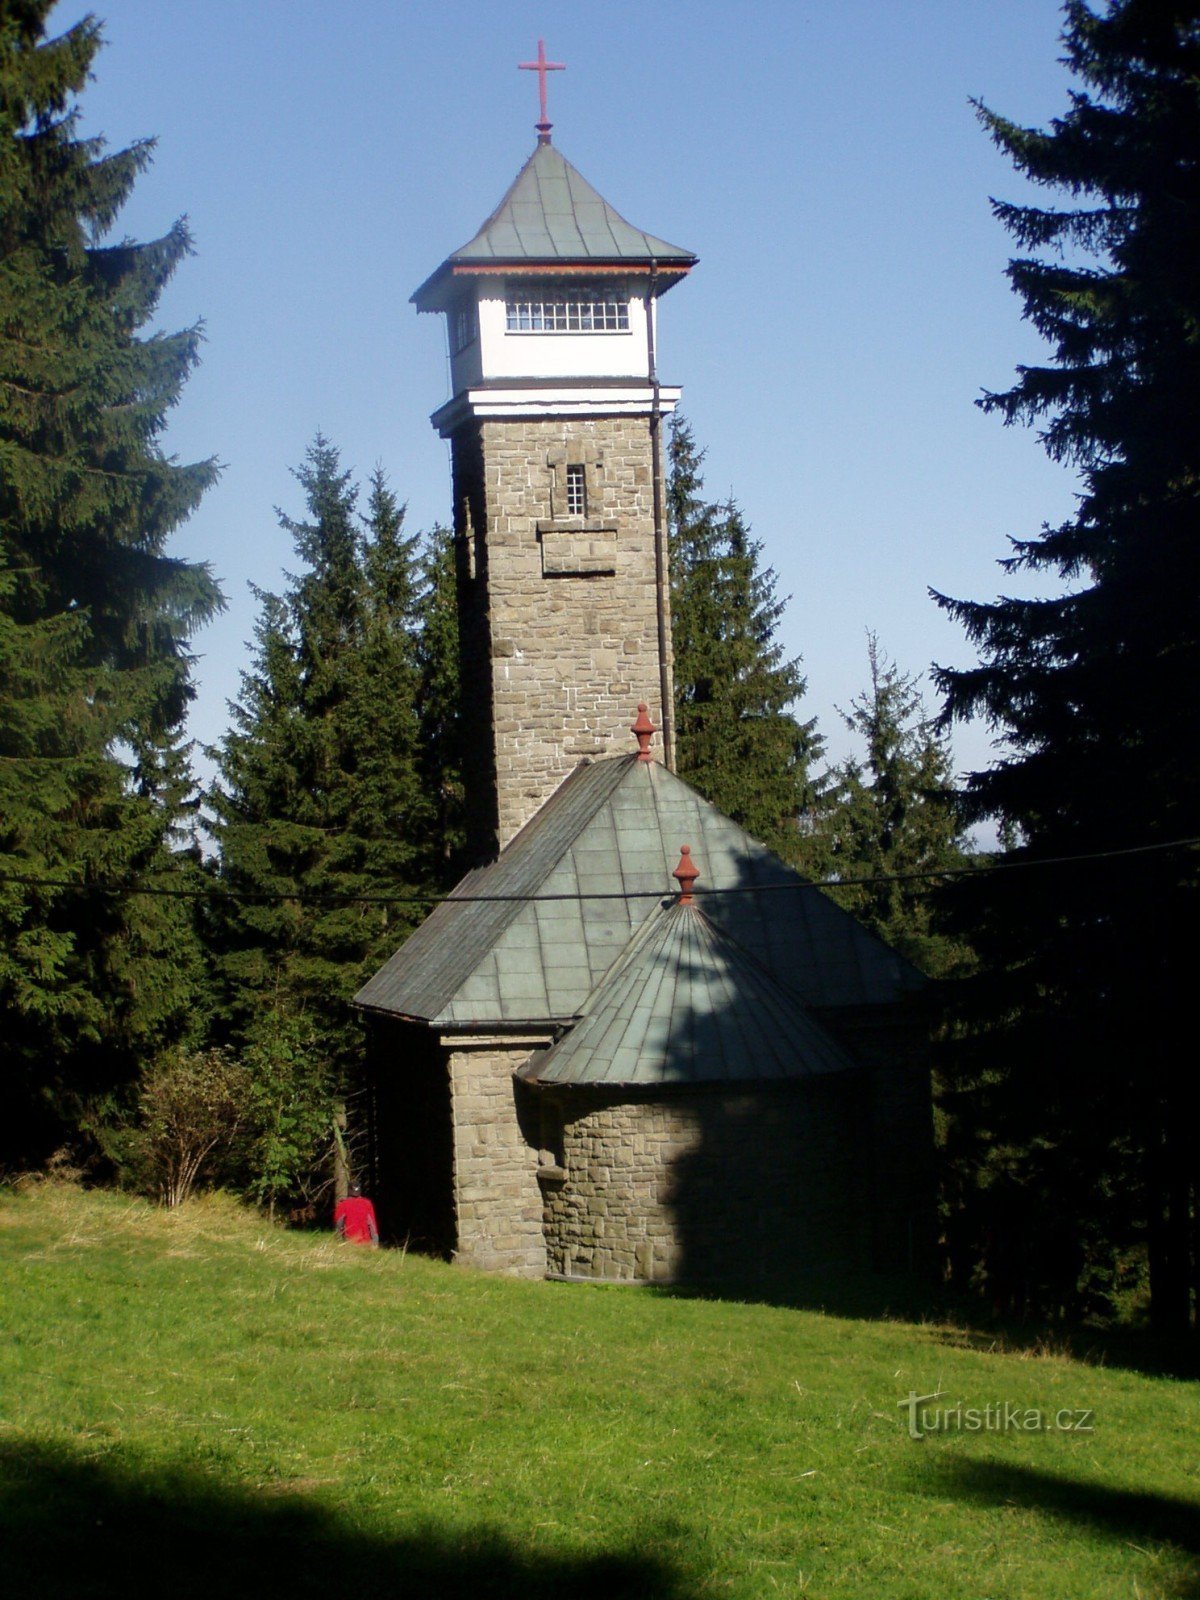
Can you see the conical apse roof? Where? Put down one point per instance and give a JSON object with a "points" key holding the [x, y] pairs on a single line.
{"points": [[685, 1004]]}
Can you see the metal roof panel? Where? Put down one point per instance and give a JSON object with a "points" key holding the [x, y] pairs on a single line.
{"points": [[552, 213], [429, 969], [685, 1004], [615, 828]]}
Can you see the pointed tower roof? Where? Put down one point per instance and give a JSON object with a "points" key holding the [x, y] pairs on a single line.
{"points": [[552, 218], [686, 1004], [551, 212]]}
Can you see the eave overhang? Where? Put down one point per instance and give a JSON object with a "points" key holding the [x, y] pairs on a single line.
{"points": [[439, 290], [587, 397]]}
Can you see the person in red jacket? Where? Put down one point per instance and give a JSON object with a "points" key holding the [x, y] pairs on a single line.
{"points": [[354, 1218]]}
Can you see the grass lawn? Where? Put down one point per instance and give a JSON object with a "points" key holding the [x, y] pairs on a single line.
{"points": [[198, 1404]]}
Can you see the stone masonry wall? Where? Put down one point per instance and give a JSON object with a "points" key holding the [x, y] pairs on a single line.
{"points": [[497, 1202], [567, 602], [707, 1188]]}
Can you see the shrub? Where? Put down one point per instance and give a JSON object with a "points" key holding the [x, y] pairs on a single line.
{"points": [[195, 1108]]}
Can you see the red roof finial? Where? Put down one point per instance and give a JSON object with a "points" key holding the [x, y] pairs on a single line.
{"points": [[645, 731], [686, 874], [541, 66]]}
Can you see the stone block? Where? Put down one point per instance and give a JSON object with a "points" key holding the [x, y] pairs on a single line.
{"points": [[587, 583]]}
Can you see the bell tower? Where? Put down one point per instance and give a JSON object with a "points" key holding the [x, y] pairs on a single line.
{"points": [[554, 423]]}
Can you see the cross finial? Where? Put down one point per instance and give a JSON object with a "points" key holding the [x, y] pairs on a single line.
{"points": [[541, 66]]}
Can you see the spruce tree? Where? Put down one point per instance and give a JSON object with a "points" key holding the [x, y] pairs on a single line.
{"points": [[95, 617], [737, 740], [438, 704], [320, 798], [892, 814], [1077, 1061], [389, 805]]}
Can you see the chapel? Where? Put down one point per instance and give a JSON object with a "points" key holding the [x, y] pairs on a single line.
{"points": [[632, 1044]]}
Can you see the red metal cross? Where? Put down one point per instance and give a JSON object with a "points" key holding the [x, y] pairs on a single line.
{"points": [[541, 66]]}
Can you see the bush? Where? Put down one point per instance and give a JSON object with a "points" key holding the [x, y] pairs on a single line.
{"points": [[260, 1121], [194, 1109]]}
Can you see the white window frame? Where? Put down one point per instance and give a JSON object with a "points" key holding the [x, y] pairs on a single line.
{"points": [[576, 490], [540, 308], [464, 325]]}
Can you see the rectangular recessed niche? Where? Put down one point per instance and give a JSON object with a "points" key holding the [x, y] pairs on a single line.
{"points": [[574, 547]]}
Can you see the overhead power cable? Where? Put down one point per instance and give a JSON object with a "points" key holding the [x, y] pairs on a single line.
{"points": [[217, 891]]}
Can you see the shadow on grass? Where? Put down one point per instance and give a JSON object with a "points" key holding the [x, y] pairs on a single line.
{"points": [[1132, 1517], [865, 1296], [961, 1323], [87, 1530], [1131, 1349]]}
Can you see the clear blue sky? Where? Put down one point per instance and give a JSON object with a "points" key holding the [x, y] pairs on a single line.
{"points": [[822, 160]]}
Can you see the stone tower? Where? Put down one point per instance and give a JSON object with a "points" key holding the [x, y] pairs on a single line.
{"points": [[554, 424], [571, 1075]]}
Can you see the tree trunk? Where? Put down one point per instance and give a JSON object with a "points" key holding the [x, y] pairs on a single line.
{"points": [[341, 1163]]}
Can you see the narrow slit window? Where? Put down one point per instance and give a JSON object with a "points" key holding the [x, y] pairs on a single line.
{"points": [[464, 326], [576, 492]]}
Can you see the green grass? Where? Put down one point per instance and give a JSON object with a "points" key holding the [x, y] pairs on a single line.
{"points": [[198, 1404]]}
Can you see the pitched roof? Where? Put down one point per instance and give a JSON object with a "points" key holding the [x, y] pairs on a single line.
{"points": [[566, 895], [685, 1003], [552, 214], [430, 976]]}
